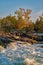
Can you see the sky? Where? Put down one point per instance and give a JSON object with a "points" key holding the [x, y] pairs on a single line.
{"points": [[8, 7]]}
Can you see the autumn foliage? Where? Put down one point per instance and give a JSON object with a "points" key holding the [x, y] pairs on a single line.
{"points": [[21, 21]]}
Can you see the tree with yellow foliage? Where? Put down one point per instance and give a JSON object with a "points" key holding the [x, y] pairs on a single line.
{"points": [[22, 18]]}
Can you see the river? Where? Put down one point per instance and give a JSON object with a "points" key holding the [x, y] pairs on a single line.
{"points": [[22, 55]]}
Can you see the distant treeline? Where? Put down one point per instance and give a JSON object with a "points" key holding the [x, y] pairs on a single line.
{"points": [[21, 22]]}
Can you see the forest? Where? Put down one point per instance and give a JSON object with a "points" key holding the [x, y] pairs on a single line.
{"points": [[21, 22]]}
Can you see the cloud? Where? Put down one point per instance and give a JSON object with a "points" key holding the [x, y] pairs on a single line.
{"points": [[36, 15]]}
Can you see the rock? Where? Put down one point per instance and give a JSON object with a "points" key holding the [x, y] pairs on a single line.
{"points": [[12, 45], [27, 44], [1, 48], [30, 61], [16, 37]]}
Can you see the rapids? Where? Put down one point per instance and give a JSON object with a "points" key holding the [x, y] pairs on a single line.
{"points": [[22, 54]]}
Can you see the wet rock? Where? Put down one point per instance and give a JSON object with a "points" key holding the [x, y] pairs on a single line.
{"points": [[12, 45], [1, 48]]}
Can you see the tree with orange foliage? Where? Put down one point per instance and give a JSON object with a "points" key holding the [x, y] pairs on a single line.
{"points": [[22, 18]]}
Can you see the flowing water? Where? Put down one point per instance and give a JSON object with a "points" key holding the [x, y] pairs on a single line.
{"points": [[22, 55]]}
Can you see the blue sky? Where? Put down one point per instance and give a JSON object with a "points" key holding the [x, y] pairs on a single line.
{"points": [[8, 7]]}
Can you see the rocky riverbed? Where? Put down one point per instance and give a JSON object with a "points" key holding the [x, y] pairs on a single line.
{"points": [[22, 53]]}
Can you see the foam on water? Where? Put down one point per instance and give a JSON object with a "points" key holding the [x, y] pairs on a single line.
{"points": [[22, 55]]}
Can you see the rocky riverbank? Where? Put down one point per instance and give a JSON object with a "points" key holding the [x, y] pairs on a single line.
{"points": [[13, 45]]}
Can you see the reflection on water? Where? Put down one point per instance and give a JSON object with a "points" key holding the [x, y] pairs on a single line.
{"points": [[22, 55]]}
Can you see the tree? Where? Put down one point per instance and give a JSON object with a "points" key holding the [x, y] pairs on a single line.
{"points": [[39, 24], [22, 18], [18, 21], [31, 26], [8, 23], [22, 13], [5, 24]]}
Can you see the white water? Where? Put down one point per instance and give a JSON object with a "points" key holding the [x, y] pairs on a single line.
{"points": [[22, 54]]}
